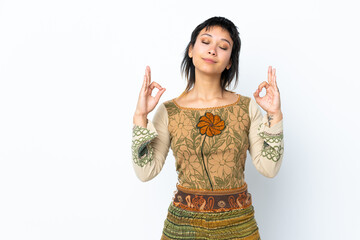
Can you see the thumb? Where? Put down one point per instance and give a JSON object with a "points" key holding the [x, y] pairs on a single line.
{"points": [[256, 96]]}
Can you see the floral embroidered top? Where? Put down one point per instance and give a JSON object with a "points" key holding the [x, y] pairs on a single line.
{"points": [[209, 144]]}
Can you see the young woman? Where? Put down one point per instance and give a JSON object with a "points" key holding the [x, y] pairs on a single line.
{"points": [[209, 130]]}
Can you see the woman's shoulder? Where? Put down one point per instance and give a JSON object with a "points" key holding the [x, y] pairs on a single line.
{"points": [[167, 105], [243, 99], [238, 93]]}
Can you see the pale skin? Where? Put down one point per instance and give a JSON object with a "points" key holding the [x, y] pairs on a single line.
{"points": [[214, 44]]}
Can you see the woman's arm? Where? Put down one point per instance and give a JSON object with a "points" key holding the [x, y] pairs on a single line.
{"points": [[150, 140], [266, 142], [150, 145]]}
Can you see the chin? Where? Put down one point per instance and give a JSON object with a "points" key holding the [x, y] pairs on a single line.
{"points": [[209, 70]]}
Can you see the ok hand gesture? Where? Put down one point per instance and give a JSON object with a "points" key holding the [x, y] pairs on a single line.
{"points": [[271, 101], [146, 102]]}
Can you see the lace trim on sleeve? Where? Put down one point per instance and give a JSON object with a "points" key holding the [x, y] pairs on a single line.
{"points": [[142, 151], [272, 148]]}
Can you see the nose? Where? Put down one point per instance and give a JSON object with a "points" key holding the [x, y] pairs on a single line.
{"points": [[212, 51]]}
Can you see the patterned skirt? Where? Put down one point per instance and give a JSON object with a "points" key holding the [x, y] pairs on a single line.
{"points": [[204, 214]]}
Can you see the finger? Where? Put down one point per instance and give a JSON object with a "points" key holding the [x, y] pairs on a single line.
{"points": [[269, 74], [155, 84], [256, 93], [144, 85], [257, 97], [275, 83], [158, 95], [142, 88], [263, 84], [273, 76], [147, 82], [147, 75]]}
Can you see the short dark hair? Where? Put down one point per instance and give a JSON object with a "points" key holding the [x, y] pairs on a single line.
{"points": [[227, 76]]}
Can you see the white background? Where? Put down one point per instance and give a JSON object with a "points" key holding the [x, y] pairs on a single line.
{"points": [[70, 74]]}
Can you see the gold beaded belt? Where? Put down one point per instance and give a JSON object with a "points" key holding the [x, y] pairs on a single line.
{"points": [[212, 200]]}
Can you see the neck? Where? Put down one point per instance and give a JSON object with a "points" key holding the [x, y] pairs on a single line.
{"points": [[207, 87]]}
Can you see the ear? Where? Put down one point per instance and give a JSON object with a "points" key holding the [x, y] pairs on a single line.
{"points": [[190, 51], [229, 65]]}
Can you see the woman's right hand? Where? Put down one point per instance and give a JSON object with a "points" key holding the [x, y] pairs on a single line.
{"points": [[146, 102]]}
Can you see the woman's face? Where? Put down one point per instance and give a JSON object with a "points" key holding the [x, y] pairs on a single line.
{"points": [[212, 50]]}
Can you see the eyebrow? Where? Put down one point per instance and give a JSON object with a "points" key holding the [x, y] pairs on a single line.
{"points": [[221, 39]]}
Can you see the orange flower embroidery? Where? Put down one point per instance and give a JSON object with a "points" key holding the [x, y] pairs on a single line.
{"points": [[210, 124]]}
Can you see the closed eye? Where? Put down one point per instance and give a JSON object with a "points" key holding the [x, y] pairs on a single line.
{"points": [[219, 47]]}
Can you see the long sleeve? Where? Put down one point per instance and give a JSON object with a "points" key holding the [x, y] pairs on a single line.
{"points": [[266, 143], [150, 145]]}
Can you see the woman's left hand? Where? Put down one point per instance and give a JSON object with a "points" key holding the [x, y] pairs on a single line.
{"points": [[271, 101]]}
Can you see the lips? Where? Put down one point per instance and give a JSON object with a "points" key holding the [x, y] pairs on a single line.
{"points": [[209, 60]]}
